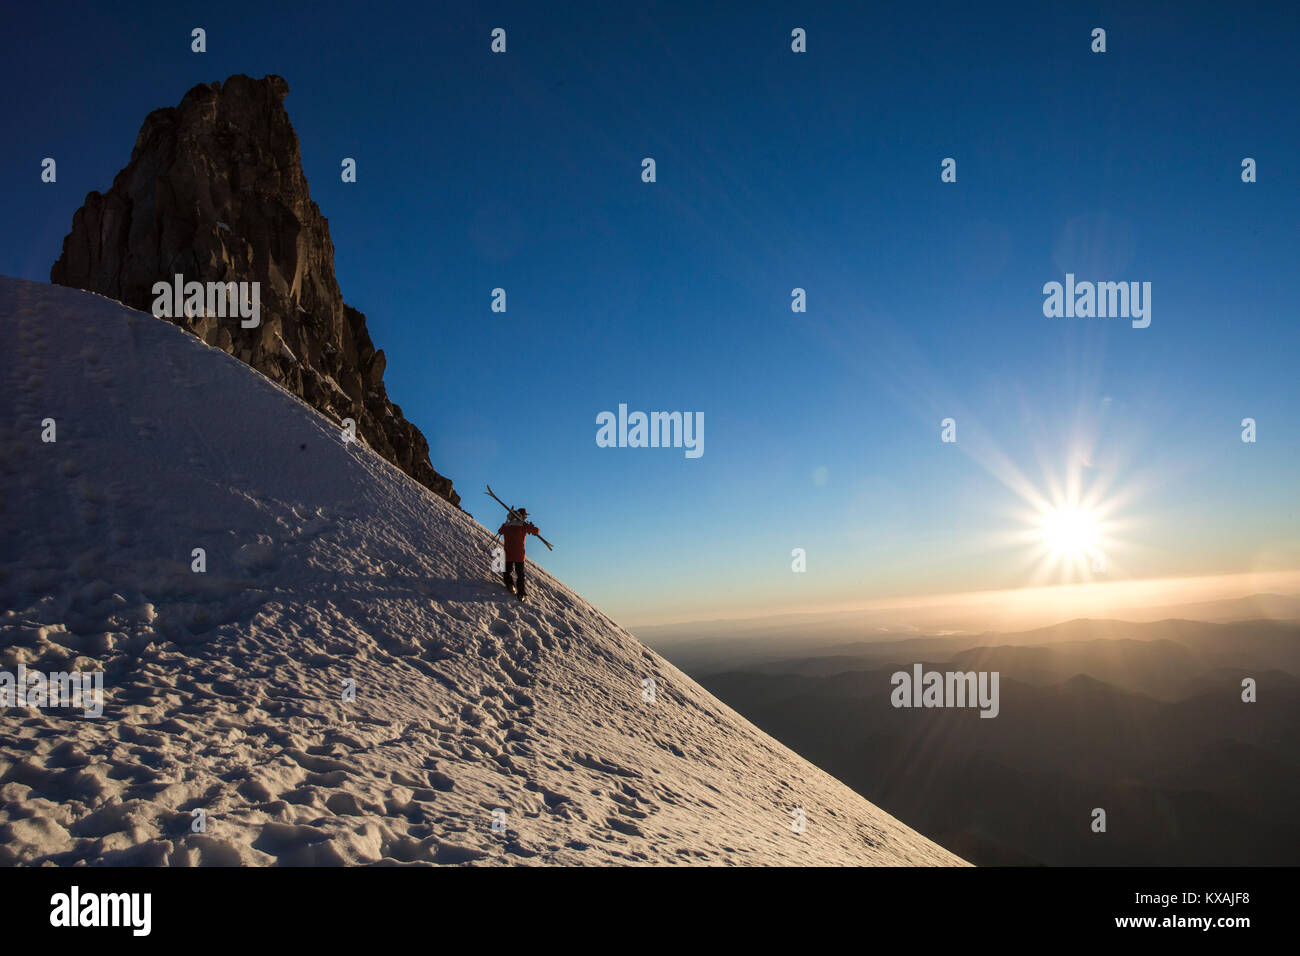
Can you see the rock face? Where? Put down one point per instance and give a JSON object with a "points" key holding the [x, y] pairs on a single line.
{"points": [[215, 192]]}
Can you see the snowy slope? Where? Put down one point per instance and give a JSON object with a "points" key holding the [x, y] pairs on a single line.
{"points": [[224, 689]]}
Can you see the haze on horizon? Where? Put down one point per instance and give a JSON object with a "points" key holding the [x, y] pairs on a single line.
{"points": [[1273, 595]]}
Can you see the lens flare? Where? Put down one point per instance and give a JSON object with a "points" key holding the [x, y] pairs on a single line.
{"points": [[1070, 532]]}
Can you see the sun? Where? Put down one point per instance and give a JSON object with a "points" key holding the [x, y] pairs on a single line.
{"points": [[1070, 532]]}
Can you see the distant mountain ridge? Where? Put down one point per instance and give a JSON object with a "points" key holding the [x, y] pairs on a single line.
{"points": [[1143, 719]]}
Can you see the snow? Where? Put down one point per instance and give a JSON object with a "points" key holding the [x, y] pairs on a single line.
{"points": [[285, 351], [224, 688]]}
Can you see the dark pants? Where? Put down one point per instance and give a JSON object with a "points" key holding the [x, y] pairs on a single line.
{"points": [[518, 568]]}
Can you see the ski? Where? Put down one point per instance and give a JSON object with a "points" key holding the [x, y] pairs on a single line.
{"points": [[512, 511], [514, 514]]}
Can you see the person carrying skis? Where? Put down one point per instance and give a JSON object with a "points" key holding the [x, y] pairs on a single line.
{"points": [[515, 530]]}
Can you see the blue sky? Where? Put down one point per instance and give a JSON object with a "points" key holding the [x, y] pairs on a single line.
{"points": [[775, 170]]}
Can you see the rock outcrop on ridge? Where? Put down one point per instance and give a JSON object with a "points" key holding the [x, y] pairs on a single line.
{"points": [[215, 192]]}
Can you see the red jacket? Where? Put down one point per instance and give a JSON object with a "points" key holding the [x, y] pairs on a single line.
{"points": [[514, 534]]}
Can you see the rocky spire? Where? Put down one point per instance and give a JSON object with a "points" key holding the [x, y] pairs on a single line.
{"points": [[214, 192]]}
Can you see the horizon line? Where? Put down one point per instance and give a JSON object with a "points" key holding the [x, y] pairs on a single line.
{"points": [[1260, 582]]}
